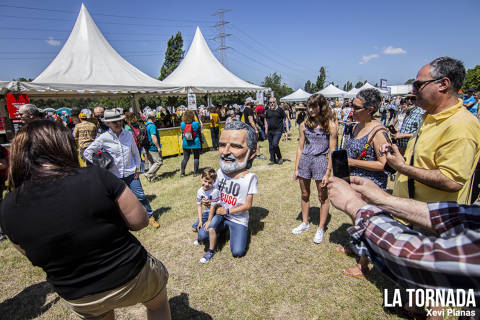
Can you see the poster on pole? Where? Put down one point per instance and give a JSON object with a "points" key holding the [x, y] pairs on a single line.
{"points": [[192, 100], [14, 102], [260, 97], [383, 84]]}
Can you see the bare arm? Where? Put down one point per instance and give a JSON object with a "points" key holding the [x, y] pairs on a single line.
{"points": [[431, 178], [132, 211], [241, 208], [351, 197], [155, 142], [252, 123], [332, 144], [301, 144], [377, 142]]}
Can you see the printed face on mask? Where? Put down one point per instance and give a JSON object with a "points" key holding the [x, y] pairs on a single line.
{"points": [[234, 152]]}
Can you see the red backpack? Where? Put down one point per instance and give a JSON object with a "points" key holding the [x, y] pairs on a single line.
{"points": [[188, 132]]}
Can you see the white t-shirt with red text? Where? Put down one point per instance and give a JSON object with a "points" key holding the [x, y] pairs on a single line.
{"points": [[234, 192]]}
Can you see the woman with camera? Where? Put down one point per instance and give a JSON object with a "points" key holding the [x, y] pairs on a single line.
{"points": [[87, 251]]}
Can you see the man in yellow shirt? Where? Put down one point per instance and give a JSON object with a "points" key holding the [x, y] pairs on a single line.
{"points": [[441, 157]]}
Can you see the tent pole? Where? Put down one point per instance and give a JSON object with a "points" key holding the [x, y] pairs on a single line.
{"points": [[135, 105]]}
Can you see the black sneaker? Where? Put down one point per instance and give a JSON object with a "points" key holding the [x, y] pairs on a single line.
{"points": [[271, 163], [280, 161]]}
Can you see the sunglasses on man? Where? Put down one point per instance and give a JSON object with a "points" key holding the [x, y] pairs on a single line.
{"points": [[419, 84]]}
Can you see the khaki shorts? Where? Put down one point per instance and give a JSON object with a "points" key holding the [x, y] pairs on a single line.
{"points": [[149, 282]]}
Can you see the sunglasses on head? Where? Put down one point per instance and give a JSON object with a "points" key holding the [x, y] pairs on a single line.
{"points": [[419, 84]]}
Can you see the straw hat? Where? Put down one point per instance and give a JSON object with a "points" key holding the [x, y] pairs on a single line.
{"points": [[112, 115]]}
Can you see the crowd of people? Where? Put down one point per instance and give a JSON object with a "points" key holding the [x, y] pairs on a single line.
{"points": [[429, 141]]}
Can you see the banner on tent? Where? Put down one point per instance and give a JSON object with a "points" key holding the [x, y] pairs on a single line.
{"points": [[192, 101], [14, 102], [260, 96]]}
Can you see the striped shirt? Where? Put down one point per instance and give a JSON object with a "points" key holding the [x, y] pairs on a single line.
{"points": [[414, 260]]}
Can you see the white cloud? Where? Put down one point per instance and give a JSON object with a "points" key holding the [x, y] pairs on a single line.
{"points": [[53, 42], [365, 59], [392, 50]]}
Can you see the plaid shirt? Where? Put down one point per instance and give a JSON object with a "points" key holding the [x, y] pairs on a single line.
{"points": [[410, 124], [414, 260]]}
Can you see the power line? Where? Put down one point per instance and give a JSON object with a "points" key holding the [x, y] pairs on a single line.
{"points": [[43, 39], [101, 14], [269, 57], [101, 22], [262, 45], [115, 33]]}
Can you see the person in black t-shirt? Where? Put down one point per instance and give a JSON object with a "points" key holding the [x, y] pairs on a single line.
{"points": [[249, 118], [91, 259], [274, 119]]}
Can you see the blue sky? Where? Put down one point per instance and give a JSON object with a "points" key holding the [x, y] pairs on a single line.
{"points": [[355, 40]]}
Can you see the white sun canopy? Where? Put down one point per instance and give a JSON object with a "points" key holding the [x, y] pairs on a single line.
{"points": [[401, 89], [201, 72], [87, 64], [369, 86], [332, 92], [297, 96]]}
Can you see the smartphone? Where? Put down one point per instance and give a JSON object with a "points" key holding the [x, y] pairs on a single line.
{"points": [[340, 165], [387, 137], [387, 167]]}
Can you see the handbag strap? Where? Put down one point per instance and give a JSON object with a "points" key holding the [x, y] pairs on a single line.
{"points": [[411, 181], [372, 134]]}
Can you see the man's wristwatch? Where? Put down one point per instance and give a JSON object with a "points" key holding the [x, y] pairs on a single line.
{"points": [[227, 211]]}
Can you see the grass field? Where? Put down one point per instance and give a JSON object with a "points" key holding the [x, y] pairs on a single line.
{"points": [[282, 276]]}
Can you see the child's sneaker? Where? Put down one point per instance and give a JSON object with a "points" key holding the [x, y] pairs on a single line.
{"points": [[196, 243], [207, 256], [301, 228]]}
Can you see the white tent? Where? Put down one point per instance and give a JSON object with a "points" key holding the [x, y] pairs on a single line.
{"points": [[297, 96], [332, 92], [352, 93], [401, 89], [201, 72], [87, 64], [369, 86]]}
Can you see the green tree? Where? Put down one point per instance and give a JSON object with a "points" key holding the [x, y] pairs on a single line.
{"points": [[23, 79], [348, 86], [472, 79], [409, 81], [320, 83], [173, 55], [274, 81], [359, 84], [308, 86]]}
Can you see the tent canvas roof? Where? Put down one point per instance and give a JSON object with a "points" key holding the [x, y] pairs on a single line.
{"points": [[332, 92], [202, 72], [299, 95], [88, 59], [369, 86]]}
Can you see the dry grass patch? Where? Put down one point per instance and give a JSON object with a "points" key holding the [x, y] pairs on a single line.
{"points": [[282, 276]]}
